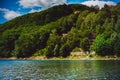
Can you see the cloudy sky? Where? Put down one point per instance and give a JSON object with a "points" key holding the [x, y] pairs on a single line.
{"points": [[10, 9]]}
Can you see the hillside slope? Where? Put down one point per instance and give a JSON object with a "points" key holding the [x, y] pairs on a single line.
{"points": [[43, 17], [61, 29]]}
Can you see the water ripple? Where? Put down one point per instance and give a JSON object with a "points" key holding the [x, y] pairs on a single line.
{"points": [[62, 70]]}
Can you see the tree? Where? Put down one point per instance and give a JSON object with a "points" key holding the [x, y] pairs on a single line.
{"points": [[7, 42], [102, 45], [65, 50], [81, 18], [85, 44], [53, 45], [88, 22], [73, 38], [117, 48], [24, 46]]}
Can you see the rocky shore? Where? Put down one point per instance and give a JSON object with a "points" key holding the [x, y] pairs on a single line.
{"points": [[81, 57]]}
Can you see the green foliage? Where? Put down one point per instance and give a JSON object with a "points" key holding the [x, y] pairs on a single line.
{"points": [[76, 49], [38, 18], [81, 18], [61, 29], [85, 44], [102, 45], [73, 38], [117, 26], [117, 48], [24, 46], [53, 45], [88, 22], [41, 52], [7, 42], [66, 23], [65, 50]]}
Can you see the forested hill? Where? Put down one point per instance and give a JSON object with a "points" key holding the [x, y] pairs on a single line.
{"points": [[61, 29], [43, 17]]}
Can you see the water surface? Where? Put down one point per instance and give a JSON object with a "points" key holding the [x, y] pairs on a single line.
{"points": [[59, 70]]}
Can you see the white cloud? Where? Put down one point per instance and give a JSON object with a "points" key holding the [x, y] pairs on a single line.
{"points": [[4, 9], [9, 14], [33, 10], [40, 3], [98, 2]]}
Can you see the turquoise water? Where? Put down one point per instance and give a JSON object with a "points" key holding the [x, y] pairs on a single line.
{"points": [[59, 70]]}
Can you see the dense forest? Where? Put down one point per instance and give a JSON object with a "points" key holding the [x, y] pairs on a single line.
{"points": [[62, 29]]}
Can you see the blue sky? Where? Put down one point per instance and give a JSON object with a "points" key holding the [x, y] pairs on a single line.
{"points": [[10, 9]]}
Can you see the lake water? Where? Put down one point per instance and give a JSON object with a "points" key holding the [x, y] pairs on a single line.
{"points": [[59, 70]]}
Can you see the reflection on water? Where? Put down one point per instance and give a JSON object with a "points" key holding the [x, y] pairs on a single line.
{"points": [[52, 70]]}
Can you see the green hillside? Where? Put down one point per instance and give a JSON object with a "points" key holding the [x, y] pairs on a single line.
{"points": [[61, 29]]}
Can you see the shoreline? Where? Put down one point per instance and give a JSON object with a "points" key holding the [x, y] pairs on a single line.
{"points": [[82, 57]]}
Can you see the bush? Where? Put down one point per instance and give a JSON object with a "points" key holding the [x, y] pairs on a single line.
{"points": [[76, 49], [41, 52]]}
